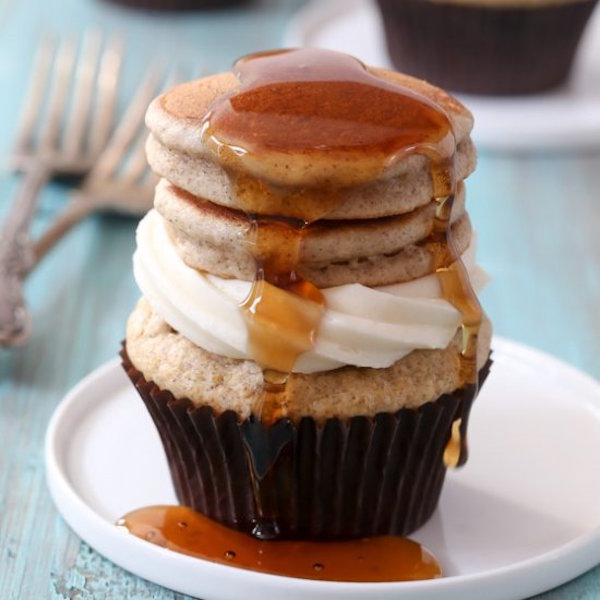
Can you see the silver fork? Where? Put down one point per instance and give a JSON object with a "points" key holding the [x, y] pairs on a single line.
{"points": [[62, 139], [40, 141], [120, 181]]}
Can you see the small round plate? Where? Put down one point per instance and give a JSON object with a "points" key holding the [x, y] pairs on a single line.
{"points": [[565, 118], [521, 517]]}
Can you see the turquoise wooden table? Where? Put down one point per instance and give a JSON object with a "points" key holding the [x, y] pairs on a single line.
{"points": [[538, 220]]}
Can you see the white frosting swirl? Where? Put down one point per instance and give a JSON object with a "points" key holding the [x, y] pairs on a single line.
{"points": [[361, 326]]}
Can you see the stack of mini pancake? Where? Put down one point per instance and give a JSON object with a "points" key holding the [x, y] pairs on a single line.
{"points": [[374, 236]]}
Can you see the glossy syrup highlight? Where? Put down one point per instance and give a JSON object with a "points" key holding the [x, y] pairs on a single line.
{"points": [[312, 101]]}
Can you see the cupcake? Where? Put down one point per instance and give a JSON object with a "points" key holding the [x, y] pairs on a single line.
{"points": [[308, 341], [486, 46]]}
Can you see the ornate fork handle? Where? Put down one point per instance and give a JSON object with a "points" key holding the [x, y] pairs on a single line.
{"points": [[16, 254]]}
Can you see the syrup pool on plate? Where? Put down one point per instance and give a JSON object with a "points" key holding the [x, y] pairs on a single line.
{"points": [[385, 558]]}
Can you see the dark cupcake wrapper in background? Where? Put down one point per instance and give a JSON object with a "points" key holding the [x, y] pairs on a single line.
{"points": [[485, 49], [349, 478]]}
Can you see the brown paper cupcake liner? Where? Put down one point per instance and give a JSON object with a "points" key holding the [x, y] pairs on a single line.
{"points": [[343, 478], [485, 48]]}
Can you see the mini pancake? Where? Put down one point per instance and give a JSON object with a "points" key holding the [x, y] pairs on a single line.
{"points": [[178, 120], [380, 251], [202, 177]]}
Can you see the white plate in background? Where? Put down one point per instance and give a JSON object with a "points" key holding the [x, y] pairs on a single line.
{"points": [[521, 517], [567, 118]]}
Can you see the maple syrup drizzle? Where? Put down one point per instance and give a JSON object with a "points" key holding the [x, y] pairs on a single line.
{"points": [[456, 289], [282, 312], [183, 530], [453, 450], [313, 101], [305, 204], [309, 102]]}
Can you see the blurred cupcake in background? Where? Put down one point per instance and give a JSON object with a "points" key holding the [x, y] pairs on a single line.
{"points": [[486, 46]]}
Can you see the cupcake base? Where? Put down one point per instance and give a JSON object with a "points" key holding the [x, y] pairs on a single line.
{"points": [[358, 477]]}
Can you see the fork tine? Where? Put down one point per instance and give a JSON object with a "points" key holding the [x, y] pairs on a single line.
{"points": [[134, 170], [63, 67], [35, 93], [82, 93], [126, 131], [137, 163], [110, 67]]}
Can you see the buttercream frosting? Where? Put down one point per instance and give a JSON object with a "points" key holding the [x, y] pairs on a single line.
{"points": [[361, 326]]}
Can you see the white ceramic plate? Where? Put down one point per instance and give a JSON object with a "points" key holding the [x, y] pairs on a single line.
{"points": [[523, 515], [566, 118]]}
